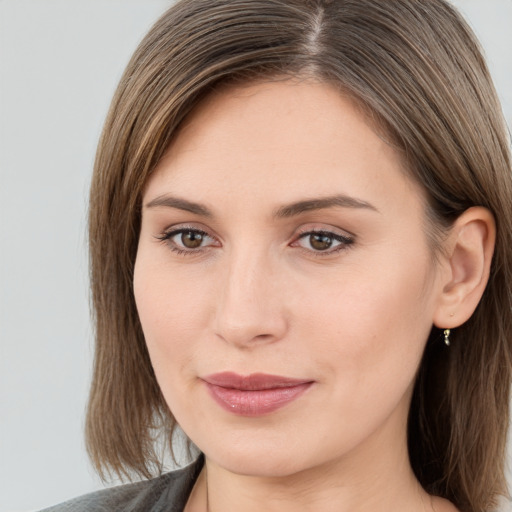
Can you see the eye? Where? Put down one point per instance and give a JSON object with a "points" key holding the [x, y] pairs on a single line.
{"points": [[323, 241], [189, 239], [186, 240]]}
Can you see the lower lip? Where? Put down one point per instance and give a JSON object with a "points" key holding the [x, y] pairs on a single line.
{"points": [[256, 402]]}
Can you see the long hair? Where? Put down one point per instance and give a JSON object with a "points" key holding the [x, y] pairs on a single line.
{"points": [[417, 69]]}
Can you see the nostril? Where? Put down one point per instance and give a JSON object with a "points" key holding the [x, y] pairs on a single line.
{"points": [[252, 333]]}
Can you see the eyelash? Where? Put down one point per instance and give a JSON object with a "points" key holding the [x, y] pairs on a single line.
{"points": [[345, 241], [166, 238]]}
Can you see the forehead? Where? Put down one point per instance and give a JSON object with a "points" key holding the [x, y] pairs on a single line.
{"points": [[274, 140]]}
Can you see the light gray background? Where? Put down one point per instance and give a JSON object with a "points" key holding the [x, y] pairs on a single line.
{"points": [[59, 63]]}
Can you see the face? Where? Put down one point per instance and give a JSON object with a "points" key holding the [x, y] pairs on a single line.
{"points": [[284, 280]]}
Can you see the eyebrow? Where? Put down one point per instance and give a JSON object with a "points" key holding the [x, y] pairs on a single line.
{"points": [[180, 204], [290, 210], [321, 203]]}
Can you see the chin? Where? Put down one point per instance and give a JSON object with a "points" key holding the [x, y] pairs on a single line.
{"points": [[265, 458], [263, 467]]}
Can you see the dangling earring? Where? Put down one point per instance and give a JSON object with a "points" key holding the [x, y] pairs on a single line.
{"points": [[447, 337]]}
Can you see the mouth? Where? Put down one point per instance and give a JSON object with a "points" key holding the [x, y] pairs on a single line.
{"points": [[256, 394]]}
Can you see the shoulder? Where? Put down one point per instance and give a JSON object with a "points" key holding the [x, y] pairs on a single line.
{"points": [[168, 492]]}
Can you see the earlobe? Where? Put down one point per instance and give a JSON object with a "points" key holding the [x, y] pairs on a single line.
{"points": [[470, 247]]}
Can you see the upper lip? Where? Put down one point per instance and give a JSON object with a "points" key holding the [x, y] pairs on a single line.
{"points": [[252, 382]]}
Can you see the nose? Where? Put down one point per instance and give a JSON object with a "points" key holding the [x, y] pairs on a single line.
{"points": [[250, 309]]}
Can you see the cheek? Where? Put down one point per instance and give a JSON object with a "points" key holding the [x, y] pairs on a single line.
{"points": [[173, 309], [372, 325]]}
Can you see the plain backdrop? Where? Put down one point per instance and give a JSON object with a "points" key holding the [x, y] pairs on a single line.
{"points": [[60, 61]]}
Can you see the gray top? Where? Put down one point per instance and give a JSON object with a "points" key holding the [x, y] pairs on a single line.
{"points": [[166, 493]]}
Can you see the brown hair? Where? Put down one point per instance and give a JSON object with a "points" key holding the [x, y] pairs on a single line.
{"points": [[417, 68]]}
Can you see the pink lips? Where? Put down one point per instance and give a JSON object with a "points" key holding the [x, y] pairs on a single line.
{"points": [[255, 394]]}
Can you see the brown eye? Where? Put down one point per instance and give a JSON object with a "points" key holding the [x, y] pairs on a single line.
{"points": [[323, 242], [187, 240], [320, 241], [191, 239]]}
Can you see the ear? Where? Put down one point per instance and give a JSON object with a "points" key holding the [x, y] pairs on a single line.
{"points": [[469, 249]]}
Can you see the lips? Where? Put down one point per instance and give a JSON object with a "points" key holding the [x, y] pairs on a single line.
{"points": [[255, 394]]}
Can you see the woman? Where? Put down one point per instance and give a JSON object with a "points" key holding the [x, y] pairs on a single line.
{"points": [[300, 246]]}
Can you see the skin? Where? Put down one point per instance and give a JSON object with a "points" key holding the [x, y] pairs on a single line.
{"points": [[257, 296]]}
